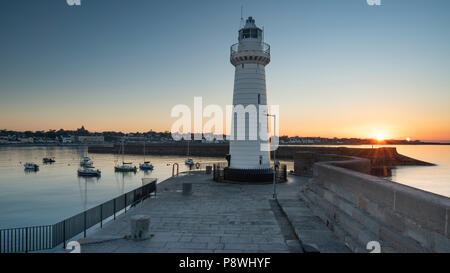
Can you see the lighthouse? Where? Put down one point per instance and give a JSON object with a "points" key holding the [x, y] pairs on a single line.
{"points": [[249, 156]]}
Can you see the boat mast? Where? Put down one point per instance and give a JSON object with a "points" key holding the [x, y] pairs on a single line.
{"points": [[144, 150], [123, 152], [188, 149]]}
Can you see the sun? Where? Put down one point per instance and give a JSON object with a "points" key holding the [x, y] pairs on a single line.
{"points": [[380, 137]]}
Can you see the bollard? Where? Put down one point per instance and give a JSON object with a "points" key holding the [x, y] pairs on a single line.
{"points": [[140, 227], [187, 188]]}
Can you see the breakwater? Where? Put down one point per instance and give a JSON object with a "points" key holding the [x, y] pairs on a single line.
{"points": [[209, 150], [379, 157], [360, 208]]}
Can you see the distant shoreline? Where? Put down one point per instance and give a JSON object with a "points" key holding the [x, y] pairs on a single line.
{"points": [[41, 145], [182, 143]]}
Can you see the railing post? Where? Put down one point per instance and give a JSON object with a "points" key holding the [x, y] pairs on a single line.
{"points": [[101, 215], [64, 233], [84, 224], [114, 209], [125, 203], [26, 240]]}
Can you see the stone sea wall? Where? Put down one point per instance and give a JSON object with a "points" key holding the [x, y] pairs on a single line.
{"points": [[361, 208]]}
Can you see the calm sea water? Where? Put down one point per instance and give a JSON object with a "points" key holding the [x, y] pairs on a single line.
{"points": [[435, 179], [55, 192]]}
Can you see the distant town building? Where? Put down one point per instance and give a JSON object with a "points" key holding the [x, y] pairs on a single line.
{"points": [[26, 140], [133, 139], [91, 139], [67, 140]]}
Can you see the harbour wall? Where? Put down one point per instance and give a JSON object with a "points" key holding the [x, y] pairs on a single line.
{"points": [[304, 157], [209, 150], [361, 208]]}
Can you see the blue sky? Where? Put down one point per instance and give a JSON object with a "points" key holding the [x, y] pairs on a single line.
{"points": [[339, 68]]}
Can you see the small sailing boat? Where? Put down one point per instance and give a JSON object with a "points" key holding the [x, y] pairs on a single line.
{"points": [[188, 161], [146, 166], [31, 166], [86, 161], [126, 166], [88, 171]]}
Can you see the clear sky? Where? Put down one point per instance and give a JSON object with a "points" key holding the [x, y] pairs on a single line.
{"points": [[339, 67]]}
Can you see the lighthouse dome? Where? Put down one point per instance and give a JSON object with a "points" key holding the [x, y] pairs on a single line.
{"points": [[250, 31]]}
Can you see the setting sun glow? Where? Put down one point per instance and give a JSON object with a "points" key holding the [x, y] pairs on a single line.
{"points": [[380, 137]]}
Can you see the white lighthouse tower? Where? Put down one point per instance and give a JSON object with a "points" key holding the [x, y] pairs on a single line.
{"points": [[249, 159]]}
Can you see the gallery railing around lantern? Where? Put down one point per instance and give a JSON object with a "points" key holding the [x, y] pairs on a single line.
{"points": [[265, 48], [251, 52]]}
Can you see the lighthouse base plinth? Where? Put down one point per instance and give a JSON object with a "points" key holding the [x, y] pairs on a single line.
{"points": [[248, 175]]}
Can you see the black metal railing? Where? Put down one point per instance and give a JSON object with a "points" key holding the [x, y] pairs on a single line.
{"points": [[260, 46], [218, 173], [37, 238]]}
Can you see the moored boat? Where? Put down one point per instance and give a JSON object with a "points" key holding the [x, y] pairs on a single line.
{"points": [[48, 160], [125, 167], [31, 166], [146, 166], [86, 161], [88, 171], [189, 162]]}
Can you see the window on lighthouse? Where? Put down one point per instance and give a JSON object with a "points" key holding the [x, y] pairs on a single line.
{"points": [[249, 33], [246, 33]]}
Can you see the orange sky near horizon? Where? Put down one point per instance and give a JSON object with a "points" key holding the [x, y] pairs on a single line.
{"points": [[338, 68], [358, 126]]}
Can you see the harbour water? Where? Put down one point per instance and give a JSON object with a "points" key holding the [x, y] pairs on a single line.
{"points": [[56, 192]]}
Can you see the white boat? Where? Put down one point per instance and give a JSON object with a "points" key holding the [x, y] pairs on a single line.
{"points": [[188, 161], [31, 166], [86, 161], [88, 171]]}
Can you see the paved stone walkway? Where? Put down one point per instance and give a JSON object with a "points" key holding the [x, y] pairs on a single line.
{"points": [[217, 217]]}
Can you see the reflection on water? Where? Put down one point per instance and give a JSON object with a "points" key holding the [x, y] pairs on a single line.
{"points": [[56, 192], [435, 179]]}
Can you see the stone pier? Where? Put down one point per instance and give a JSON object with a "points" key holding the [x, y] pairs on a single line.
{"points": [[220, 217]]}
